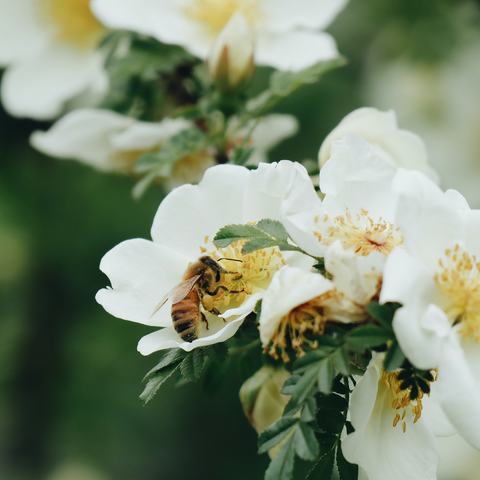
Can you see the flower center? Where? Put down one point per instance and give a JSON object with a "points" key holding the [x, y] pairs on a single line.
{"points": [[73, 21], [308, 318], [360, 233], [216, 13], [251, 274], [460, 281], [401, 399]]}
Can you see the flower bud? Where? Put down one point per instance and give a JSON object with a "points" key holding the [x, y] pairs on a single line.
{"points": [[261, 399], [230, 62]]}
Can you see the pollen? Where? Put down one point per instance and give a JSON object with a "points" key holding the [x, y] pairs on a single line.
{"points": [[72, 20], [248, 273], [459, 279], [400, 400], [216, 13], [361, 234], [306, 319]]}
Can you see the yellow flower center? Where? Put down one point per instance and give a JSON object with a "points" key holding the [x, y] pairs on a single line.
{"points": [[360, 233], [460, 281], [251, 274], [401, 401], [216, 13], [73, 21]]}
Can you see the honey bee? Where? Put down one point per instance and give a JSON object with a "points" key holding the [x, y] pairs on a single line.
{"points": [[201, 282]]}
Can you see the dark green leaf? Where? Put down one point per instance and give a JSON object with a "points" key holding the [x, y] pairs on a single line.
{"points": [[214, 375], [217, 352], [326, 373], [323, 469], [246, 366], [309, 410], [273, 228], [332, 401], [368, 336], [281, 467], [302, 389], [275, 433], [338, 386], [383, 314], [341, 360], [156, 381], [303, 363], [346, 470], [258, 307], [191, 366], [330, 420], [394, 357], [174, 355], [306, 445], [234, 233]]}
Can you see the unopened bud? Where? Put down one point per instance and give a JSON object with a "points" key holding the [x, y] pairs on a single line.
{"points": [[230, 62], [261, 399]]}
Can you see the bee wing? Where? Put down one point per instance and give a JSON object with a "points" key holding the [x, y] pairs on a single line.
{"points": [[177, 293]]}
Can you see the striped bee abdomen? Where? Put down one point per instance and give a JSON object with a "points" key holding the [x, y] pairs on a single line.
{"points": [[186, 316]]}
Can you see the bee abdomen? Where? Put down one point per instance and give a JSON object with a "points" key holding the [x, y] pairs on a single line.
{"points": [[185, 316]]}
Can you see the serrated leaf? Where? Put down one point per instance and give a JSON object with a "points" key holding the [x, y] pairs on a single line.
{"points": [[303, 363], [341, 360], [234, 233], [325, 375], [217, 352], [258, 244], [309, 410], [346, 470], [332, 401], [157, 381], [394, 357], [306, 445], [275, 433], [273, 228], [281, 467], [173, 355], [323, 469], [368, 336], [192, 365], [302, 389]]}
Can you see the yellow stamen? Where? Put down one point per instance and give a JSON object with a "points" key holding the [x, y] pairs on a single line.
{"points": [[73, 21], [459, 279]]}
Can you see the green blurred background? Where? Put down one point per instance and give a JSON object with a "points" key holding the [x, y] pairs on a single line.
{"points": [[70, 374]]}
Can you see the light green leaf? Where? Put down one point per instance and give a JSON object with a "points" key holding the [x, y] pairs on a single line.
{"points": [[258, 244], [234, 233], [274, 228], [341, 360], [281, 467], [306, 445], [303, 388], [275, 433], [192, 365], [309, 410], [326, 374]]}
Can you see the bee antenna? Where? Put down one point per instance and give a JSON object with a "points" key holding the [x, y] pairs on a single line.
{"points": [[231, 259]]}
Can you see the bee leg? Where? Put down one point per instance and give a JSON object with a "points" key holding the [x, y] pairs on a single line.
{"points": [[225, 289], [203, 318]]}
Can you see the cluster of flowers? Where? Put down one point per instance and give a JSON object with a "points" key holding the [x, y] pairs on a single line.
{"points": [[384, 234]]}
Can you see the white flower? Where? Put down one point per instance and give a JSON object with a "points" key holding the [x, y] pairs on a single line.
{"points": [[358, 208], [437, 279], [287, 34], [49, 49], [142, 271], [394, 436], [230, 61], [299, 302], [399, 148], [110, 141]]}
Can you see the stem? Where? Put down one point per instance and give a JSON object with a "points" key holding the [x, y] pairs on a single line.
{"points": [[244, 348]]}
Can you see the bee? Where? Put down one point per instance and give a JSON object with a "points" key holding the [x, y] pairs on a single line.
{"points": [[201, 282]]}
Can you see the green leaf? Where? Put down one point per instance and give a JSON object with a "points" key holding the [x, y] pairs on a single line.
{"points": [[234, 233], [217, 352], [156, 381], [326, 374], [368, 336], [394, 357], [330, 420], [332, 401], [323, 469], [258, 244], [275, 433], [309, 410], [303, 363], [214, 375], [383, 314], [302, 389], [289, 384], [341, 360], [241, 155], [174, 355], [306, 445], [246, 366], [192, 365], [346, 470], [274, 228], [281, 467]]}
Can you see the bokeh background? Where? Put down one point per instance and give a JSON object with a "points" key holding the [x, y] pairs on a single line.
{"points": [[70, 374]]}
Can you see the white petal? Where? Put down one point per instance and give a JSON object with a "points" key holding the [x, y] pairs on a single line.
{"points": [[433, 414], [289, 288], [191, 212], [141, 273], [272, 129], [459, 388], [281, 15], [84, 134], [294, 51], [38, 86]]}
